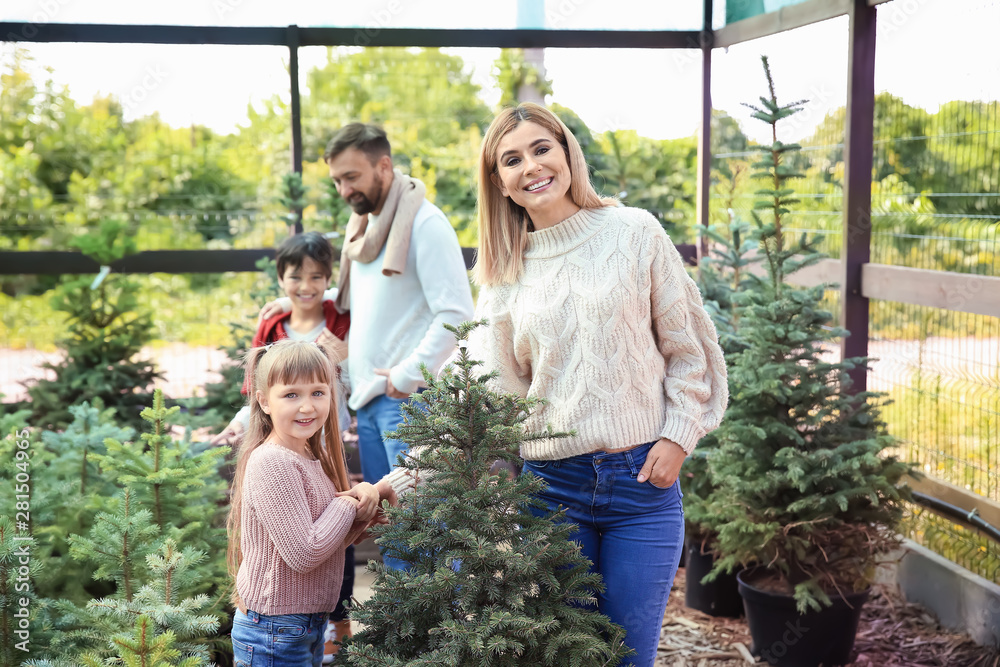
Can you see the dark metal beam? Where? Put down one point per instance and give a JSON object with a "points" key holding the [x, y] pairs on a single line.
{"points": [[296, 111], [704, 173], [370, 36], [56, 262], [781, 20], [858, 183], [150, 261]]}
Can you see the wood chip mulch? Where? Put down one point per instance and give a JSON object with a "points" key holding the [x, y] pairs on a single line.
{"points": [[893, 633]]}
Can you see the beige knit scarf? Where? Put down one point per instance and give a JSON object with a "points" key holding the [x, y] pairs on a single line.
{"points": [[392, 229]]}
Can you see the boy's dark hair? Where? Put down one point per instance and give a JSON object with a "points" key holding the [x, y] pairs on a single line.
{"points": [[295, 249], [369, 139]]}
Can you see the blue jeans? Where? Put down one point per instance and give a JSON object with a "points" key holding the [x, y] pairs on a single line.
{"points": [[378, 453], [632, 533], [288, 640]]}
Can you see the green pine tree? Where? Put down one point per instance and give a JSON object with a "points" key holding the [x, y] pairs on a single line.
{"points": [[293, 197], [165, 603], [724, 272], [69, 498], [163, 624], [171, 480], [16, 586], [118, 543], [802, 482], [493, 578], [107, 329]]}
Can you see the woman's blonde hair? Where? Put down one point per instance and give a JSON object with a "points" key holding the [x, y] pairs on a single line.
{"points": [[503, 224], [285, 362]]}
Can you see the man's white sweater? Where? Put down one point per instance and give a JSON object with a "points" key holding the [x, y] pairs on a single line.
{"points": [[606, 325], [397, 322]]}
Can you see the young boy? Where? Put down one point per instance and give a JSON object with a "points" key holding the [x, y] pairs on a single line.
{"points": [[305, 264]]}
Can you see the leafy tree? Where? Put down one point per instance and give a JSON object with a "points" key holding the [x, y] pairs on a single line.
{"points": [[654, 175], [492, 578], [512, 73]]}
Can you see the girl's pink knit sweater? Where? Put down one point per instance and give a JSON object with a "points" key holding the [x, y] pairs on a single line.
{"points": [[292, 534]]}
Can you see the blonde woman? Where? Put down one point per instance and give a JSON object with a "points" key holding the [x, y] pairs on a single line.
{"points": [[590, 308]]}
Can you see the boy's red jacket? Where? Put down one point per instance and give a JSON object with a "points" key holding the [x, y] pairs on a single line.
{"points": [[268, 331]]}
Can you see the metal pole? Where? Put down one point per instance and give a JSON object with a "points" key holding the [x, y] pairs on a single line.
{"points": [[705, 131], [293, 71], [858, 184]]}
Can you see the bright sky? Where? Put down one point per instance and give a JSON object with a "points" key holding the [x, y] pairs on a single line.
{"points": [[652, 91]]}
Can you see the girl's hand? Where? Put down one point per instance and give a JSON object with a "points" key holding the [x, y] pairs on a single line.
{"points": [[367, 497], [230, 436], [663, 464]]}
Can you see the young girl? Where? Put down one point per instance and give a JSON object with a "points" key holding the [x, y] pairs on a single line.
{"points": [[288, 524]]}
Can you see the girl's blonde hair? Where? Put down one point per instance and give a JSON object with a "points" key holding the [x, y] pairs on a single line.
{"points": [[285, 362], [503, 224]]}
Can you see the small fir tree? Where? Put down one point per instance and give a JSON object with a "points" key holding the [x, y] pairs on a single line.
{"points": [[73, 492], [293, 198], [172, 481], [162, 604], [802, 483], [107, 330], [162, 622], [17, 587], [722, 273], [493, 578]]}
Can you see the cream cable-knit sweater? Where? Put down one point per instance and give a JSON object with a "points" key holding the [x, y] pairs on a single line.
{"points": [[607, 326], [292, 534]]}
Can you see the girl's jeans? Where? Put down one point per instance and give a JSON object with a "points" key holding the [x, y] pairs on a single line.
{"points": [[288, 640], [632, 533]]}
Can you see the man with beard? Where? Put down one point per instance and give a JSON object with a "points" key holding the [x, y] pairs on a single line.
{"points": [[402, 277]]}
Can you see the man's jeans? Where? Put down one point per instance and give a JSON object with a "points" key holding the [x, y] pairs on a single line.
{"points": [[632, 533], [378, 454]]}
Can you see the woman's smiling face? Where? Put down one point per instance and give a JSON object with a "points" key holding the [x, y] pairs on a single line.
{"points": [[533, 171]]}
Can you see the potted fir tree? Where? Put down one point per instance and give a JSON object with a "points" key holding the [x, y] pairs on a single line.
{"points": [[493, 577], [802, 483]]}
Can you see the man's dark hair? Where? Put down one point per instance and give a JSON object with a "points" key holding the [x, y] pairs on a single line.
{"points": [[369, 139], [293, 251]]}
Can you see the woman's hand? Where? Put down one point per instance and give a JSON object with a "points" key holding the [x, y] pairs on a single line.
{"points": [[368, 500], [663, 464], [385, 492]]}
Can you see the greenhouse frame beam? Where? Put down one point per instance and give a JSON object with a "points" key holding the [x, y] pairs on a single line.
{"points": [[704, 167], [858, 147], [781, 20], [68, 262], [356, 36]]}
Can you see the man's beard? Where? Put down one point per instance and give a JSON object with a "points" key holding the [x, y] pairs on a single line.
{"points": [[364, 205]]}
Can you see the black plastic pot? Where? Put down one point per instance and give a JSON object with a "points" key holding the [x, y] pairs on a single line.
{"points": [[783, 637], [718, 598]]}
